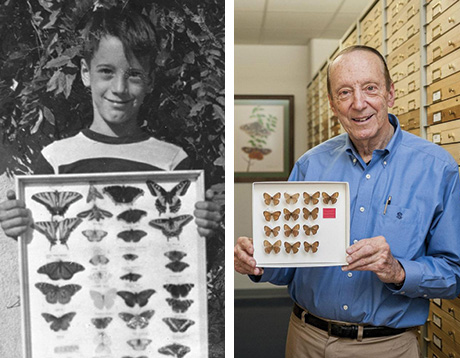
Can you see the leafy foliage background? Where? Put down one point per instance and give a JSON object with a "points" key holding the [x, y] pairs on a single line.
{"points": [[42, 98]]}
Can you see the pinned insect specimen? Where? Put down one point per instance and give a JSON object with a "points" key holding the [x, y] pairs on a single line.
{"points": [[330, 198], [58, 270], [130, 257], [180, 290], [307, 213], [269, 231], [294, 231], [133, 277], [178, 324], [133, 298], [176, 265], [168, 198], [291, 198], [56, 231], [311, 230], [61, 323], [131, 216], [314, 198], [101, 322], [313, 247], [94, 235], [171, 227], [93, 194], [135, 321], [95, 213], [106, 299], [291, 214], [179, 306], [275, 198], [131, 235], [57, 202], [139, 344], [121, 194], [175, 350], [99, 260], [268, 247], [292, 247], [269, 215], [56, 293]]}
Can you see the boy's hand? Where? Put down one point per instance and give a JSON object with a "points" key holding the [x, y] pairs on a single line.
{"points": [[207, 215], [15, 218]]}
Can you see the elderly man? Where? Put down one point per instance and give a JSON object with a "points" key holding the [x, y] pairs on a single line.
{"points": [[405, 226]]}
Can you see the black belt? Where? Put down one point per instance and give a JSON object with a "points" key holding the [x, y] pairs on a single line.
{"points": [[346, 331]]}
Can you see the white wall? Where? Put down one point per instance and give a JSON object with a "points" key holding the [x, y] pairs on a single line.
{"points": [[274, 70]]}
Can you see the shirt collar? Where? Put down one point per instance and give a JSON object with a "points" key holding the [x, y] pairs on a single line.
{"points": [[385, 153]]}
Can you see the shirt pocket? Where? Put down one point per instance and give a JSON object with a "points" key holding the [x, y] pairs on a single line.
{"points": [[401, 229]]}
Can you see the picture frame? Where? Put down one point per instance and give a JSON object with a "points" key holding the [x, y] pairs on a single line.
{"points": [[264, 137], [113, 263]]}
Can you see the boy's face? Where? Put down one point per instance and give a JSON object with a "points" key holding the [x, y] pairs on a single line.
{"points": [[117, 87]]}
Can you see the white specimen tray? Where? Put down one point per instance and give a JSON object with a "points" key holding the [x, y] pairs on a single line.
{"points": [[333, 234]]}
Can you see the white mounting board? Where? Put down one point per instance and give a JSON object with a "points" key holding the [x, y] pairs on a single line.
{"points": [[333, 234]]}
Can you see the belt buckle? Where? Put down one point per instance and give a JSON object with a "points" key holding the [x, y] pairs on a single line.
{"points": [[329, 328]]}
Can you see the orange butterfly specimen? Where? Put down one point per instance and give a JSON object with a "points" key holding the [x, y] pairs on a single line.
{"points": [[275, 231], [330, 198], [294, 231], [292, 247], [291, 214], [307, 213], [313, 247], [269, 215], [276, 247], [275, 198], [313, 198], [291, 198], [311, 230]]}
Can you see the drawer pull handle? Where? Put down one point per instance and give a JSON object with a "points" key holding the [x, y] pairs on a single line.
{"points": [[450, 309], [450, 333], [451, 90], [451, 66], [451, 355], [411, 12], [439, 5], [450, 43], [451, 136], [451, 19], [437, 53], [452, 113]]}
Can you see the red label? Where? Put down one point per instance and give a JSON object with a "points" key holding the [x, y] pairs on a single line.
{"points": [[329, 213]]}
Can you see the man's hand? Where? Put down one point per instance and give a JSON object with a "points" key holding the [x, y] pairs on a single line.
{"points": [[15, 218], [243, 257], [207, 215], [374, 255]]}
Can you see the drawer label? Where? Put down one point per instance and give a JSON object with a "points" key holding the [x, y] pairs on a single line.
{"points": [[437, 96], [437, 320], [437, 341], [437, 117], [436, 138], [437, 301]]}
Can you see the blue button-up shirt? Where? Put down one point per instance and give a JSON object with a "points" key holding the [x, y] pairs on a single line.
{"points": [[421, 225]]}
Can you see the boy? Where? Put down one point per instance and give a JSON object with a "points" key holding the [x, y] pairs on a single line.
{"points": [[118, 69]]}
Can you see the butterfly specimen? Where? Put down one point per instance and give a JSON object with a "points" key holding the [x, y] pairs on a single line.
{"points": [[314, 198], [307, 213], [275, 198], [276, 247], [122, 194], [269, 215], [294, 231], [94, 235], [103, 342], [175, 350], [58, 270], [101, 322], [291, 198], [139, 344], [130, 257], [292, 247], [131, 216], [313, 247], [175, 255], [177, 266], [255, 129], [56, 231], [135, 321], [131, 235], [99, 260], [291, 214], [171, 227], [168, 198], [59, 323], [269, 231], [311, 230], [106, 299], [131, 298], [178, 324], [181, 290], [256, 153], [330, 198], [93, 194], [57, 202], [179, 306], [55, 293], [100, 276], [95, 213], [133, 277]]}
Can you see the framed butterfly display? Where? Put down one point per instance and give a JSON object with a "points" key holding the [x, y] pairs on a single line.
{"points": [[113, 266], [300, 224]]}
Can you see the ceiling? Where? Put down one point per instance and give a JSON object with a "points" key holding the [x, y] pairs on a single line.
{"points": [[294, 22]]}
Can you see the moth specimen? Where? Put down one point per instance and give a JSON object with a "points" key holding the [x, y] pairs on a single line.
{"points": [[94, 235], [133, 277], [131, 235], [179, 306], [95, 213], [139, 344], [175, 350], [101, 322]]}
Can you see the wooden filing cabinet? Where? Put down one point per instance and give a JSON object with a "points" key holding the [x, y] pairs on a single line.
{"points": [[410, 47], [443, 45], [410, 120], [372, 22], [436, 8], [407, 31], [444, 133], [394, 8], [444, 67], [444, 111], [443, 23], [351, 39], [443, 89], [406, 68]]}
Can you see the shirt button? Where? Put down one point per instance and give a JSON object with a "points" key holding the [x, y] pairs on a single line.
{"points": [[425, 295], [349, 274], [403, 292], [354, 160], [385, 162], [361, 209], [368, 176], [345, 307], [355, 241]]}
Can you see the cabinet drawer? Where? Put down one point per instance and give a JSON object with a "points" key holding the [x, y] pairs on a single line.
{"points": [[441, 340], [371, 20], [443, 46], [410, 120], [375, 41], [444, 133], [454, 150], [443, 23], [410, 28], [436, 8], [443, 89], [411, 47], [395, 8], [407, 103], [444, 111], [407, 85], [445, 323], [434, 352], [351, 39], [444, 67], [406, 13], [406, 68], [415, 131]]}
